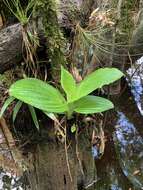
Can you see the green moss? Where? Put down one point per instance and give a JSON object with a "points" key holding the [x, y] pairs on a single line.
{"points": [[126, 17], [7, 79], [125, 24], [47, 10]]}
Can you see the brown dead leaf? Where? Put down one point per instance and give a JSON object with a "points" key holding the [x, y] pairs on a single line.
{"points": [[136, 172], [76, 74], [1, 22], [98, 138], [11, 158]]}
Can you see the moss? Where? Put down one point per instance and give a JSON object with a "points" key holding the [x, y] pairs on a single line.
{"points": [[6, 79], [126, 17], [126, 23], [47, 10]]}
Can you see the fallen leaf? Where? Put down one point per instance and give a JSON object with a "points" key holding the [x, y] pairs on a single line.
{"points": [[1, 22], [136, 172]]}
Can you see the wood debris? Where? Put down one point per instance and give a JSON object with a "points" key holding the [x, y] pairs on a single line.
{"points": [[11, 158], [1, 21]]}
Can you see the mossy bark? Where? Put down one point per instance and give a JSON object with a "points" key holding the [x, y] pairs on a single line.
{"points": [[47, 11], [137, 41]]}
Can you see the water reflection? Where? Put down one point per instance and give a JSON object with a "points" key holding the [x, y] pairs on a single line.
{"points": [[10, 182], [129, 147], [136, 82]]}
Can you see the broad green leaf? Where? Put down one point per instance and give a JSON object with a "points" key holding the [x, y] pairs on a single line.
{"points": [[39, 94], [16, 110], [6, 104], [92, 104], [97, 79], [68, 84], [34, 116]]}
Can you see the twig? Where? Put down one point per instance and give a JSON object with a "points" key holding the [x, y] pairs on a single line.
{"points": [[66, 153], [91, 184], [119, 9], [77, 153]]}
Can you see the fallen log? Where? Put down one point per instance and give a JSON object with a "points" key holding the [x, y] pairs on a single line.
{"points": [[10, 47], [11, 36]]}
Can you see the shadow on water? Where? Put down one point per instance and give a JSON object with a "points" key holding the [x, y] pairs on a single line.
{"points": [[129, 148], [121, 167]]}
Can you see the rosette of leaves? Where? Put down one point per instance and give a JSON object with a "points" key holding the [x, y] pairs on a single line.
{"points": [[47, 98]]}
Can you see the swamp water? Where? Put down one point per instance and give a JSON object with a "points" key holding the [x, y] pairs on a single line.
{"points": [[121, 167]]}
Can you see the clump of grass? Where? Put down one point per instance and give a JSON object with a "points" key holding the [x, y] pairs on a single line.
{"points": [[91, 43], [22, 14], [30, 39], [98, 44]]}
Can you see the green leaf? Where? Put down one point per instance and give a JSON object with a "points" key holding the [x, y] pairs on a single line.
{"points": [[93, 104], [68, 84], [73, 128], [16, 110], [51, 116], [39, 94], [6, 104], [34, 116], [97, 79]]}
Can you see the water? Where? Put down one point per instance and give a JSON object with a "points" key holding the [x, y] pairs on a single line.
{"points": [[135, 81], [129, 147], [121, 167], [10, 182]]}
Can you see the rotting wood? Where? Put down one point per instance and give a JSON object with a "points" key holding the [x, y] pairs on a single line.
{"points": [[11, 158], [1, 21]]}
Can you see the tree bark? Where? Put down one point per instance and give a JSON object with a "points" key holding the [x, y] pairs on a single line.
{"points": [[51, 168], [10, 47]]}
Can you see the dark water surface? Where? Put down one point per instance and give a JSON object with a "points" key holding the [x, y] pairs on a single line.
{"points": [[121, 167]]}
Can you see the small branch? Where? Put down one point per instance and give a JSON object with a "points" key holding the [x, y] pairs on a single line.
{"points": [[66, 153], [91, 184], [77, 153], [119, 7]]}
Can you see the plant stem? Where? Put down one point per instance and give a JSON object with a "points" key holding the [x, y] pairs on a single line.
{"points": [[70, 110]]}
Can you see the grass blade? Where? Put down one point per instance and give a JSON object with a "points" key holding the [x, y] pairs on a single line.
{"points": [[6, 104], [16, 110], [34, 116]]}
